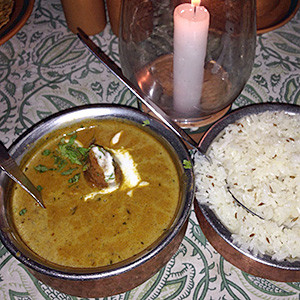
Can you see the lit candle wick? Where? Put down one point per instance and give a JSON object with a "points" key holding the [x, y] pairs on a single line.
{"points": [[195, 3]]}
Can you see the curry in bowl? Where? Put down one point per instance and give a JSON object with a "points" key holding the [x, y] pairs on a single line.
{"points": [[118, 188], [96, 217]]}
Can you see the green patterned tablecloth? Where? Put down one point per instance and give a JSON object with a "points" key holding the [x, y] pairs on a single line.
{"points": [[44, 68]]}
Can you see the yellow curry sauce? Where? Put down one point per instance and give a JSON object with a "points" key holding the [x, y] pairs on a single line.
{"points": [[77, 231]]}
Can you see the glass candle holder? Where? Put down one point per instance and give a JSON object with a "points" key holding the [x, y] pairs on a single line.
{"points": [[193, 61]]}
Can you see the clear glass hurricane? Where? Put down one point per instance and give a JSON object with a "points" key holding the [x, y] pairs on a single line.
{"points": [[147, 51]]}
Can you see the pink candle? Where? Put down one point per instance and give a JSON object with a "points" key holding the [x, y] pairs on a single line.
{"points": [[191, 23]]}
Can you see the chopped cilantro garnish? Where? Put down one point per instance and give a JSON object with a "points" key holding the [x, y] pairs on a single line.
{"points": [[187, 164], [41, 168], [72, 139], [60, 162], [71, 153], [146, 122], [39, 188], [75, 178], [68, 172], [46, 152], [83, 151], [22, 211], [110, 177], [70, 150], [67, 152], [57, 159]]}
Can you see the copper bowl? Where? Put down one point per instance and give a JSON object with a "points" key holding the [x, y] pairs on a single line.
{"points": [[219, 236], [123, 276]]}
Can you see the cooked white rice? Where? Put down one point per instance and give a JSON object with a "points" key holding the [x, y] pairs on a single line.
{"points": [[259, 156]]}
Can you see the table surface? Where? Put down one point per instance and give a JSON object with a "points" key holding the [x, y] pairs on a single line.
{"points": [[44, 69]]}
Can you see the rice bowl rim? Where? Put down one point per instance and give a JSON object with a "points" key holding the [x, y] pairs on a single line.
{"points": [[209, 215]]}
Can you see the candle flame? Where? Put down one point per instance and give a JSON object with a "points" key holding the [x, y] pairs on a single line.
{"points": [[196, 2]]}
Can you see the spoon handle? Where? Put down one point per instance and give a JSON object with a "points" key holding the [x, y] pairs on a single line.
{"points": [[112, 67], [10, 167]]}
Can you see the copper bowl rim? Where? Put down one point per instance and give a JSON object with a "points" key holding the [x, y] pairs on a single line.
{"points": [[98, 111], [294, 7], [209, 215]]}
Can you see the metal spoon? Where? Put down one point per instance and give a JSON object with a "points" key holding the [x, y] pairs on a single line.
{"points": [[112, 67], [10, 167]]}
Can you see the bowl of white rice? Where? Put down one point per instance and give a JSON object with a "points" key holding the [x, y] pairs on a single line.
{"points": [[255, 153]]}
